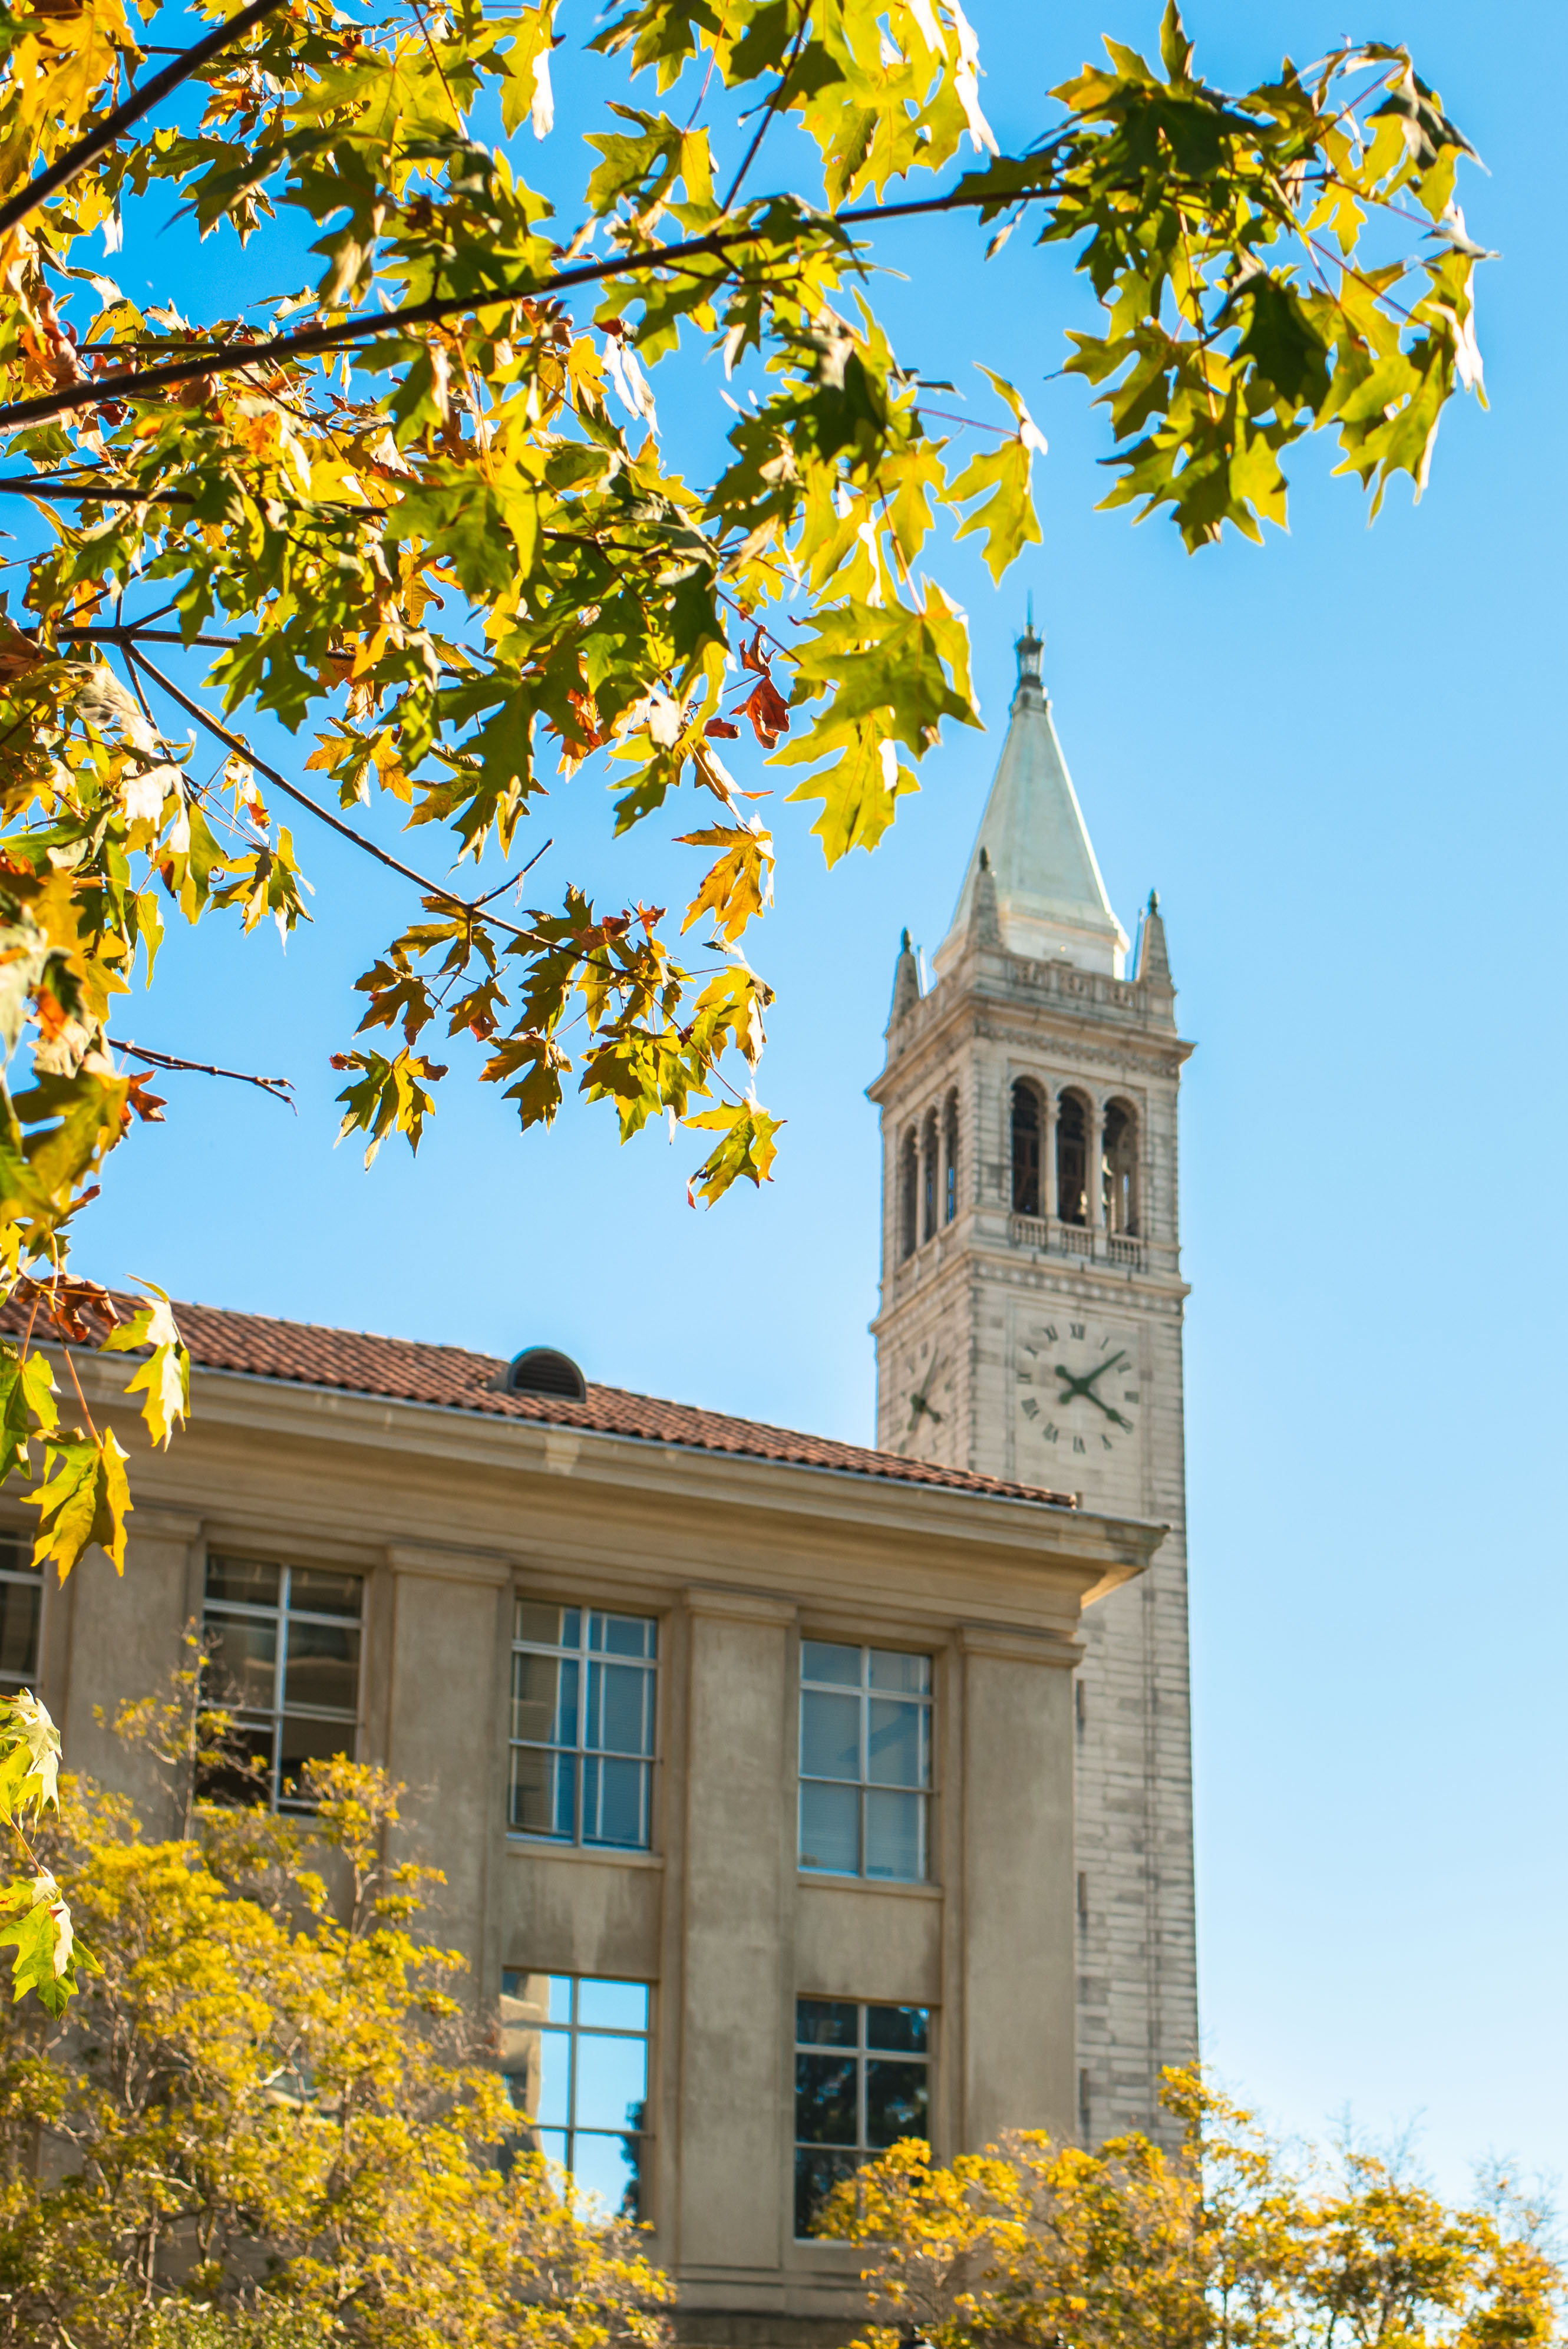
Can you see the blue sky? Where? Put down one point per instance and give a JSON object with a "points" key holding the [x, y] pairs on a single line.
{"points": [[1340, 758]]}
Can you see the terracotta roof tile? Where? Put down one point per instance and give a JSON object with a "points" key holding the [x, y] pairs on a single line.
{"points": [[302, 1353]]}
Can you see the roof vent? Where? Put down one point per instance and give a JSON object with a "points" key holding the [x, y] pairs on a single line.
{"points": [[541, 1370]]}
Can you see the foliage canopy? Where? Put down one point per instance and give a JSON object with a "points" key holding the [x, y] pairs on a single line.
{"points": [[1229, 2242], [419, 516], [266, 2123]]}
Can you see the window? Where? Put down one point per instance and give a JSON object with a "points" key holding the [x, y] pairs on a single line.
{"points": [[1025, 1150], [1118, 1169], [862, 2081], [928, 1183], [865, 1761], [575, 2055], [581, 1724], [909, 1195], [21, 1608], [950, 1156], [282, 1646], [1072, 1160]]}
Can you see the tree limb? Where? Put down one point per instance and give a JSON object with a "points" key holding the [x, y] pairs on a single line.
{"points": [[234, 358], [133, 633], [87, 150]]}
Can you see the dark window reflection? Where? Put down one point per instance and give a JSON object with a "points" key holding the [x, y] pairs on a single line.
{"points": [[283, 1657], [862, 2082]]}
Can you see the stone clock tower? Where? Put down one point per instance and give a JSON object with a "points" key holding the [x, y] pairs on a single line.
{"points": [[1031, 1328]]}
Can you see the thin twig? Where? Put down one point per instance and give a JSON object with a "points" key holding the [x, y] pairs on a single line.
{"points": [[81, 1398], [280, 1088], [770, 111], [87, 150]]}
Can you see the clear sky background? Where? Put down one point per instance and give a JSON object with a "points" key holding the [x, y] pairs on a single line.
{"points": [[1340, 758]]}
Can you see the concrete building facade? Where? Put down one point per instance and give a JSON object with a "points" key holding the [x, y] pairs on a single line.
{"points": [[1031, 1324], [749, 1756]]}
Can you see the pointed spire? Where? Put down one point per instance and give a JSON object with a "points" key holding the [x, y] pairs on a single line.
{"points": [[1029, 649], [985, 921], [1153, 959], [905, 983], [1048, 894]]}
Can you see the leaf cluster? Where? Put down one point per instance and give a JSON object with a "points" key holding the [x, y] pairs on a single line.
{"points": [[1228, 2242], [268, 2119]]}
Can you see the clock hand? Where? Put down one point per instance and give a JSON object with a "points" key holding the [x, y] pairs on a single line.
{"points": [[917, 1401], [1073, 1387], [1078, 1387]]}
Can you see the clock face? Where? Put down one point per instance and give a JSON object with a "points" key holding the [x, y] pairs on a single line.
{"points": [[1079, 1392]]}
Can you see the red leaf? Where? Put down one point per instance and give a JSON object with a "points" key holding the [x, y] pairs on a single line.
{"points": [[767, 710], [722, 727]]}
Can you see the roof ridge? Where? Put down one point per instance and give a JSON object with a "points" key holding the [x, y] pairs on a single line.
{"points": [[428, 1374]]}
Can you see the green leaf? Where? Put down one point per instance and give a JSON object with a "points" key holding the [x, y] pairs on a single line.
{"points": [[29, 1758], [36, 1921], [165, 1379], [86, 1499], [747, 1149]]}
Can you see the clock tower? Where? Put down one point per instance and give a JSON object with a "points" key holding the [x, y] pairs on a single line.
{"points": [[1030, 1329]]}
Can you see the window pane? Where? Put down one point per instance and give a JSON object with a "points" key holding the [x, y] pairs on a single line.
{"points": [[316, 1592], [815, 2175], [826, 2022], [612, 2082], [244, 1774], [901, 2029], [830, 1829], [614, 1802], [16, 1555], [895, 1837], [829, 1735], [544, 1699], [620, 1709], [554, 2062], [19, 1608], [612, 2005], [560, 1998], [906, 1675], [552, 2144], [895, 2101], [322, 1667], [896, 1743], [824, 1660], [244, 1580], [243, 1653], [621, 1635], [543, 1792], [607, 2167], [549, 1627], [825, 2099], [309, 1741]]}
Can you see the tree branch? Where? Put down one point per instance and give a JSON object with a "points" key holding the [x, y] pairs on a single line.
{"points": [[280, 1088], [87, 150], [133, 633], [234, 358], [281, 782]]}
